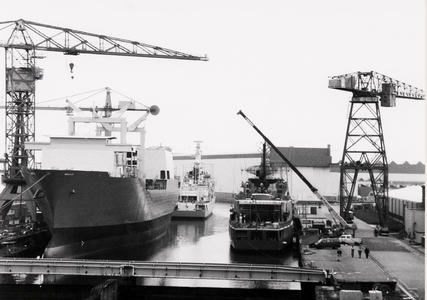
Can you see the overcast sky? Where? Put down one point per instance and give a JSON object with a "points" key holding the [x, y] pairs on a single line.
{"points": [[270, 59]]}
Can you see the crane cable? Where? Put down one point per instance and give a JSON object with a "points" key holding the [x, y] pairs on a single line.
{"points": [[9, 203]]}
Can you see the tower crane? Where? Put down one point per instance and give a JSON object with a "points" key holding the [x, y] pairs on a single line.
{"points": [[364, 147], [23, 39]]}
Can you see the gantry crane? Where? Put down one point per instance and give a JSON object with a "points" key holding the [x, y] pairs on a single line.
{"points": [[24, 38], [364, 147]]}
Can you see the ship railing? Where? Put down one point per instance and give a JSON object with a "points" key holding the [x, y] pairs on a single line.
{"points": [[275, 225]]}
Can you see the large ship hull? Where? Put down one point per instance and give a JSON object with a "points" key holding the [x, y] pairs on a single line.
{"points": [[89, 213]]}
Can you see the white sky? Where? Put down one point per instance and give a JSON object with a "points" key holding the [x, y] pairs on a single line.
{"points": [[270, 59]]}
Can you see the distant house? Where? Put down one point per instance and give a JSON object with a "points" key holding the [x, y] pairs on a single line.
{"points": [[406, 168]]}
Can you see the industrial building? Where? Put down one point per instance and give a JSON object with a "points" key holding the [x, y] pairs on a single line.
{"points": [[407, 210], [314, 163]]}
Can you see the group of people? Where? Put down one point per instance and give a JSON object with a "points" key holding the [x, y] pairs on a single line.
{"points": [[359, 251]]}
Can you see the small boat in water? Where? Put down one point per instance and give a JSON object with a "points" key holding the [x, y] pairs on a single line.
{"points": [[197, 191], [261, 218], [24, 240], [96, 195], [23, 232]]}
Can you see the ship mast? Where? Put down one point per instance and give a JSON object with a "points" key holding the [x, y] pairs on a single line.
{"points": [[197, 162]]}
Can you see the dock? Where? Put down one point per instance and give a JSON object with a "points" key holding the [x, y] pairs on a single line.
{"points": [[93, 279], [138, 269], [394, 266], [350, 272]]}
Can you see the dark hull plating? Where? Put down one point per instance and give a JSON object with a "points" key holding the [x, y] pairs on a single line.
{"points": [[98, 242], [90, 213], [260, 239]]}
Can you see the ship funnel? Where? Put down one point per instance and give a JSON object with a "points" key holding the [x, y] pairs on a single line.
{"points": [[154, 110]]}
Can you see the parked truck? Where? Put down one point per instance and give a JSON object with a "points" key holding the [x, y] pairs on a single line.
{"points": [[348, 239]]}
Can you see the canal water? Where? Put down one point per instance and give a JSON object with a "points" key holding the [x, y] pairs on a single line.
{"points": [[188, 240], [200, 241], [207, 241]]}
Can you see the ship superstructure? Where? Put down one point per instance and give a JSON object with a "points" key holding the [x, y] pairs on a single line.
{"points": [[197, 191], [261, 218], [96, 195]]}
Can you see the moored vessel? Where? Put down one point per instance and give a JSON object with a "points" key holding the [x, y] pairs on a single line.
{"points": [[96, 195], [261, 217], [23, 233], [197, 190]]}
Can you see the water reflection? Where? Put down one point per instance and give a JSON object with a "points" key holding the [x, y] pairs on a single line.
{"points": [[187, 240], [207, 241]]}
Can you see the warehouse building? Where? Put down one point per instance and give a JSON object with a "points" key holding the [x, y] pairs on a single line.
{"points": [[314, 163]]}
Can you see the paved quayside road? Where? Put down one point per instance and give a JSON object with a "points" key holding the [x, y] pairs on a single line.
{"points": [[399, 258]]}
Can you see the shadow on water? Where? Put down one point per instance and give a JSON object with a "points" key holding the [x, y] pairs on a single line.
{"points": [[286, 257], [207, 241], [187, 240], [199, 241]]}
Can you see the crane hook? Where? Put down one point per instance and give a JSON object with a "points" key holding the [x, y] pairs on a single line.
{"points": [[71, 69]]}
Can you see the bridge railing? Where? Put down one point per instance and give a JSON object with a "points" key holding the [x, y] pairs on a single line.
{"points": [[216, 271]]}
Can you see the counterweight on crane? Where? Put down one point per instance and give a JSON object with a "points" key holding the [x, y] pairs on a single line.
{"points": [[23, 39], [364, 148]]}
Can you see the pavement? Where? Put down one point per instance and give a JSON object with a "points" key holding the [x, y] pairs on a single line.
{"points": [[398, 258]]}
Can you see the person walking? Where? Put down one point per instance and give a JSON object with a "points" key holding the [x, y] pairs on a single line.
{"points": [[352, 251], [360, 251], [367, 252]]}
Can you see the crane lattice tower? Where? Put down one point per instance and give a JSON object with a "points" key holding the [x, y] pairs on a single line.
{"points": [[364, 146], [23, 39]]}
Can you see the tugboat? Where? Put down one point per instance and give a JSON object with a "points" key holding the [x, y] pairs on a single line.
{"points": [[197, 192], [261, 218]]}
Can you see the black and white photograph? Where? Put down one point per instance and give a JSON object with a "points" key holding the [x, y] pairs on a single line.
{"points": [[212, 149]]}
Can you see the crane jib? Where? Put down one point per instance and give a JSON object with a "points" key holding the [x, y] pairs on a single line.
{"points": [[312, 188]]}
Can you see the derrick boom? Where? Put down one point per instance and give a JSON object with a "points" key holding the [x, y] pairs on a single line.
{"points": [[335, 216]]}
